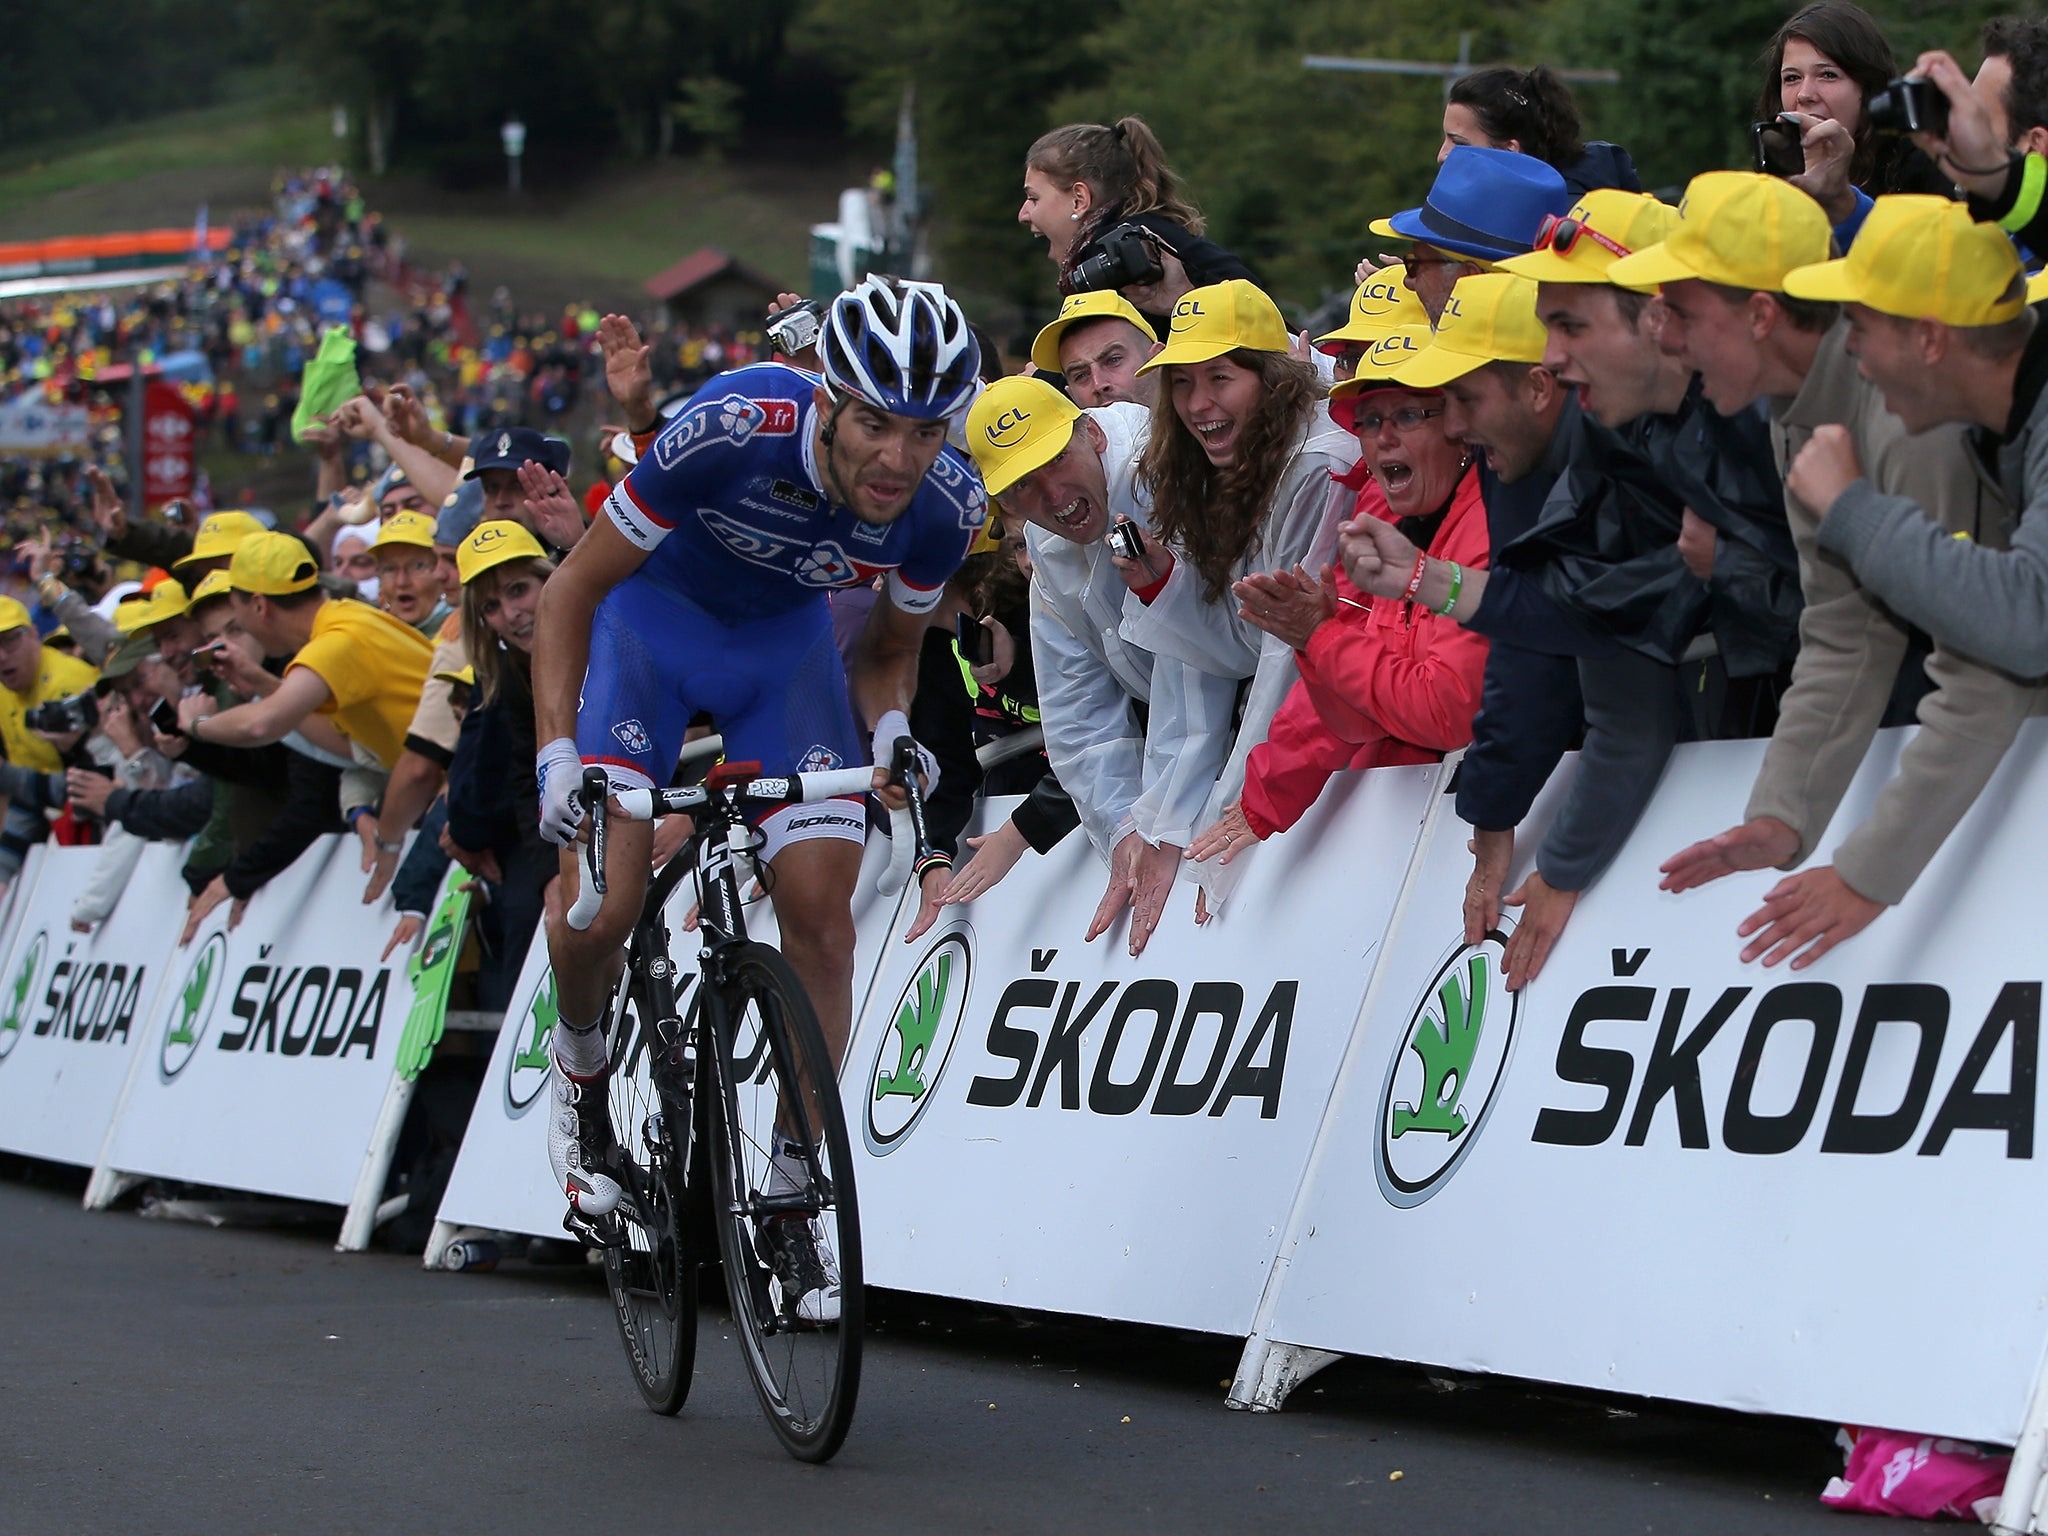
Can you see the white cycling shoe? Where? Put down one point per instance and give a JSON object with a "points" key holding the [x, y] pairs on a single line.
{"points": [[580, 1143], [800, 1256]]}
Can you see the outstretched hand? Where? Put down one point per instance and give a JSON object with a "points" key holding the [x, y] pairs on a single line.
{"points": [[628, 373], [556, 517], [1763, 842]]}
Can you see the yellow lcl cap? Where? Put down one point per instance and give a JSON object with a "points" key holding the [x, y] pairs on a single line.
{"points": [[166, 600], [1602, 219], [1383, 303], [272, 565], [1105, 303], [1922, 258], [1221, 318], [1017, 425], [414, 529], [13, 615], [1737, 228], [1389, 355], [492, 544], [221, 534], [1489, 318], [212, 584]]}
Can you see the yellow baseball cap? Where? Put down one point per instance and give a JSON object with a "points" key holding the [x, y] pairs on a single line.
{"points": [[1383, 302], [1739, 228], [1221, 318], [1018, 425], [13, 615], [490, 545], [414, 529], [212, 584], [1391, 354], [166, 600], [464, 674], [1922, 258], [1489, 318], [1105, 303], [1582, 246], [221, 534], [273, 565]]}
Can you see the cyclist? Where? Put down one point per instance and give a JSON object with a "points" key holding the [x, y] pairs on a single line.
{"points": [[703, 589]]}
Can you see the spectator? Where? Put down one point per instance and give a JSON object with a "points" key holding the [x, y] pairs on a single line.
{"points": [[1531, 112], [408, 583], [1097, 344], [132, 683], [1485, 205], [1385, 681], [1240, 468], [1383, 304], [32, 674], [2013, 82], [1730, 318], [1084, 180], [352, 559], [539, 499]]}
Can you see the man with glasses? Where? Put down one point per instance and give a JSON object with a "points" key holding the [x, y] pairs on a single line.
{"points": [[1481, 209]]}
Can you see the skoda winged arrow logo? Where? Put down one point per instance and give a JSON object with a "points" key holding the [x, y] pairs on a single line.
{"points": [[1446, 1073], [913, 1051], [19, 992], [191, 1007], [527, 1072]]}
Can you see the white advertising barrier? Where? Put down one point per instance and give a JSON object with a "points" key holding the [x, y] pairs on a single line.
{"points": [[74, 1007], [1660, 1170], [1043, 1122], [501, 1181], [266, 1059]]}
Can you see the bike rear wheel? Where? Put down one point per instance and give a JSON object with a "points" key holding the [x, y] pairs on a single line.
{"points": [[649, 1268], [773, 1066]]}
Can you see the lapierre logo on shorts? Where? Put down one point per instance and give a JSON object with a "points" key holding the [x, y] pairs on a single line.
{"points": [[741, 418], [829, 818], [633, 736]]}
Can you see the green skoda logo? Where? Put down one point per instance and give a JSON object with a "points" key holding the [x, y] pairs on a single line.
{"points": [[1446, 1072], [191, 1007], [914, 1049], [526, 1074], [20, 990]]}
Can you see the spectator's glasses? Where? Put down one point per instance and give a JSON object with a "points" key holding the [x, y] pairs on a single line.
{"points": [[1560, 233], [1407, 419], [1414, 261], [418, 567]]}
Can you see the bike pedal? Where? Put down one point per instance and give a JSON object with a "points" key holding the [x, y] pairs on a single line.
{"points": [[653, 1134], [594, 1232]]}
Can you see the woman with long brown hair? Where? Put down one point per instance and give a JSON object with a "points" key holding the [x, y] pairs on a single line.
{"points": [[1241, 470]]}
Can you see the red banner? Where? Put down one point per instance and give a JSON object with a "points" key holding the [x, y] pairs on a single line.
{"points": [[168, 444]]}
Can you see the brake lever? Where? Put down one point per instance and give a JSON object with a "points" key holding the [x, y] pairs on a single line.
{"points": [[596, 790]]}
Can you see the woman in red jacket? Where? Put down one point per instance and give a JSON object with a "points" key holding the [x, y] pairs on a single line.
{"points": [[1381, 682]]}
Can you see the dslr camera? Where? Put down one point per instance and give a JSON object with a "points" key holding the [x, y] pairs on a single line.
{"points": [[80, 712], [1119, 257], [1910, 105]]}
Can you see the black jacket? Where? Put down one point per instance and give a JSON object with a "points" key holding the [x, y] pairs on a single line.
{"points": [[168, 815]]}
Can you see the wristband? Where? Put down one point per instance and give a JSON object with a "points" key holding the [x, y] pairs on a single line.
{"points": [[357, 814], [2033, 181], [1457, 586], [384, 847], [1415, 577], [928, 863]]}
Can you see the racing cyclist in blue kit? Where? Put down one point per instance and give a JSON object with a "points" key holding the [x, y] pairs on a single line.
{"points": [[703, 588]]}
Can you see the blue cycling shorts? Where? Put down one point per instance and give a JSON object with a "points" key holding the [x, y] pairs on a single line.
{"points": [[774, 687]]}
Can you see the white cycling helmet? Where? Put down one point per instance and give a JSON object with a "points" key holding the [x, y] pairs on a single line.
{"points": [[903, 347]]}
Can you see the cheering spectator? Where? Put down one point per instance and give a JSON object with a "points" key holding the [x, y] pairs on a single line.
{"points": [[1485, 205], [33, 675], [408, 583], [1098, 343]]}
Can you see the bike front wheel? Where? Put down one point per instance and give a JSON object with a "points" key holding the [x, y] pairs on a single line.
{"points": [[648, 1267], [789, 1234]]}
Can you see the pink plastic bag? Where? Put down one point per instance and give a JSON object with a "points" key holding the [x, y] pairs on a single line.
{"points": [[1918, 1476]]}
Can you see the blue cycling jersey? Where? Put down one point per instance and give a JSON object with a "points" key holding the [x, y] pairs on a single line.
{"points": [[731, 507]]}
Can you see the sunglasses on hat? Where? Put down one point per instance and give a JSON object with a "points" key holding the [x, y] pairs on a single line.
{"points": [[1560, 232]]}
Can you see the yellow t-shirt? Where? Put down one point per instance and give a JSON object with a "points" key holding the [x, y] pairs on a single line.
{"points": [[60, 677], [375, 666]]}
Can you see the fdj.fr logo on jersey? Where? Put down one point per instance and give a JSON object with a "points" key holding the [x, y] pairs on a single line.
{"points": [[914, 1051], [1445, 1073], [18, 991], [191, 1006]]}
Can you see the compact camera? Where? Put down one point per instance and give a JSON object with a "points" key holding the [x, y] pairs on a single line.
{"points": [[1910, 105], [1780, 147], [796, 328], [1127, 254], [80, 712], [1125, 542]]}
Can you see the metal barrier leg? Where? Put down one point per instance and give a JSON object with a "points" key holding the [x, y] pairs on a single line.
{"points": [[2018, 1512]]}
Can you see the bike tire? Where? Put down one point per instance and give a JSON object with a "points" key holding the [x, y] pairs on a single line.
{"points": [[772, 1053], [650, 1272]]}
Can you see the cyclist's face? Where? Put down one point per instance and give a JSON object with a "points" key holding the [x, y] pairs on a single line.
{"points": [[880, 460], [510, 608], [1069, 495]]}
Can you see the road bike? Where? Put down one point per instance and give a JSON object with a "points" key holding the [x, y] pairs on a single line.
{"points": [[699, 1099]]}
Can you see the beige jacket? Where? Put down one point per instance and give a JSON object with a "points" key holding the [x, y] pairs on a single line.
{"points": [[1850, 648]]}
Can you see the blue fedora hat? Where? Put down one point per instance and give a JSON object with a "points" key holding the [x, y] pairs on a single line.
{"points": [[1486, 203]]}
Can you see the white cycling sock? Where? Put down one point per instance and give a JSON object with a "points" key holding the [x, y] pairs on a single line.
{"points": [[788, 1173], [581, 1052]]}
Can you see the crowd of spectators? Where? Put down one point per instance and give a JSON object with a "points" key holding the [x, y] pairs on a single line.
{"points": [[1579, 469]]}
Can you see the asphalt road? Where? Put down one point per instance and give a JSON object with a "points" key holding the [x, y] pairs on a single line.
{"points": [[167, 1378]]}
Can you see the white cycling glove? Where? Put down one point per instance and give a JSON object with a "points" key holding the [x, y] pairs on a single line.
{"points": [[559, 768], [887, 730]]}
